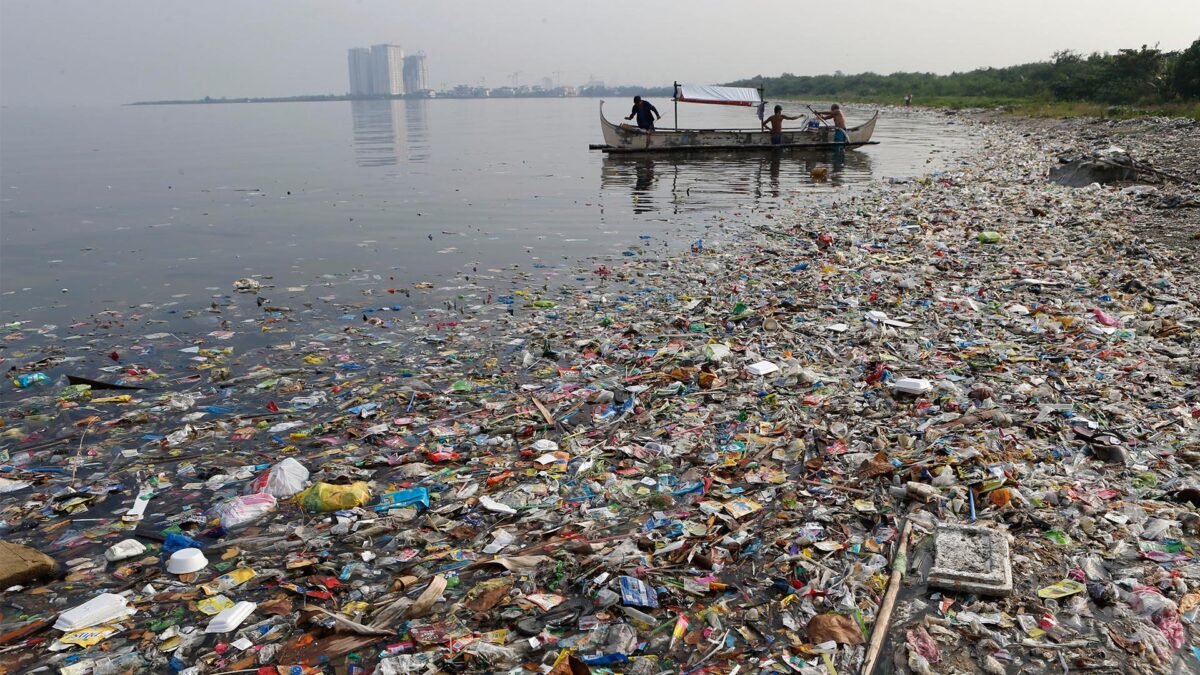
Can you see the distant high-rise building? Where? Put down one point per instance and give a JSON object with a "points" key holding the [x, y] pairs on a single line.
{"points": [[416, 80], [359, 60], [387, 70]]}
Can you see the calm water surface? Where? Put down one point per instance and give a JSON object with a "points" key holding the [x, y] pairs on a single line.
{"points": [[113, 208]]}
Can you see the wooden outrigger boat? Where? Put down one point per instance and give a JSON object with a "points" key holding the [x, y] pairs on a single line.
{"points": [[629, 138]]}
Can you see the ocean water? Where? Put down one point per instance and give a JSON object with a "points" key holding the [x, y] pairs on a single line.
{"points": [[164, 206]]}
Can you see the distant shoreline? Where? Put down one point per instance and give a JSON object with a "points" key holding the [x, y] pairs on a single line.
{"points": [[648, 91], [318, 98]]}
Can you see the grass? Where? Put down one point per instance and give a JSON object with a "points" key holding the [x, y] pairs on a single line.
{"points": [[1035, 108]]}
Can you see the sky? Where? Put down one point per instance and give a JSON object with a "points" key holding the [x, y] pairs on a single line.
{"points": [[87, 52]]}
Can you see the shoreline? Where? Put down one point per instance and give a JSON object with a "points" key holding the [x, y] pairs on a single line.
{"points": [[682, 468]]}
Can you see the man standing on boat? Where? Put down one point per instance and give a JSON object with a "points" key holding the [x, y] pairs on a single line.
{"points": [[839, 122], [645, 114], [776, 122]]}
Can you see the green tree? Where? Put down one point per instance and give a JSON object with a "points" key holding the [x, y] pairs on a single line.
{"points": [[1142, 75], [1185, 73]]}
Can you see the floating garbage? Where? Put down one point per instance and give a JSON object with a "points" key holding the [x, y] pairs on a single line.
{"points": [[104, 608], [948, 422], [186, 561]]}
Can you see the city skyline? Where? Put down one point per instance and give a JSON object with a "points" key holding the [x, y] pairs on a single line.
{"points": [[385, 70], [161, 49]]}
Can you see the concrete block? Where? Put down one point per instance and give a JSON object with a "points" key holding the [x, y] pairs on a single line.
{"points": [[971, 559]]}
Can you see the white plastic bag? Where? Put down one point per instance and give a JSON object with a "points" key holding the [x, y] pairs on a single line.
{"points": [[242, 510], [717, 352], [280, 481]]}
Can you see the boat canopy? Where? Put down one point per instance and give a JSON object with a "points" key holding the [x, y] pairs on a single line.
{"points": [[705, 93]]}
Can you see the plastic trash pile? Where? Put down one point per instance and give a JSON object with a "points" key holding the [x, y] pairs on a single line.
{"points": [[701, 460]]}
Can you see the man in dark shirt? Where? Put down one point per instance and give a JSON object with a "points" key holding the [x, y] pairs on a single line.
{"points": [[643, 111]]}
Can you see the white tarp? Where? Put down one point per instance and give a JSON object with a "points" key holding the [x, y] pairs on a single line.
{"points": [[705, 93]]}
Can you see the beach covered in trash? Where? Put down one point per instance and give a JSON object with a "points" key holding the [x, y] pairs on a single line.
{"points": [[948, 424]]}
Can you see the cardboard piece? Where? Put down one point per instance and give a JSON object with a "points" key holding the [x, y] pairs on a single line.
{"points": [[21, 565]]}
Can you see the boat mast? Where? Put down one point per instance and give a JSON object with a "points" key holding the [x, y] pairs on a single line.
{"points": [[675, 97]]}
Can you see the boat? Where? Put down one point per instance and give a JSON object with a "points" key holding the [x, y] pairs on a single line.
{"points": [[620, 138]]}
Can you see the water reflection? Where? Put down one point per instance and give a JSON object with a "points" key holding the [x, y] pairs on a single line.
{"points": [[375, 139], [643, 184], [417, 128], [690, 181]]}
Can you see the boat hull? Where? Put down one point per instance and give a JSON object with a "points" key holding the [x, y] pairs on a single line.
{"points": [[628, 138]]}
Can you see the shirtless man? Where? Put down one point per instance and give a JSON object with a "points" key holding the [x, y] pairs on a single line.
{"points": [[776, 121], [834, 113]]}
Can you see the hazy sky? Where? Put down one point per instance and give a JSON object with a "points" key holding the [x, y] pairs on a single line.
{"points": [[63, 52]]}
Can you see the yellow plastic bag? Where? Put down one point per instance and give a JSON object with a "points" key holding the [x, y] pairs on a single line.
{"points": [[1061, 589], [325, 497]]}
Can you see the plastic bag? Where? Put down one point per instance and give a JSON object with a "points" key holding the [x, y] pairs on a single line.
{"points": [[324, 497], [1061, 589], [717, 352], [282, 480], [177, 542], [242, 510]]}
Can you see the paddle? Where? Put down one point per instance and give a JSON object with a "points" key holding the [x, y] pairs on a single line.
{"points": [[823, 120]]}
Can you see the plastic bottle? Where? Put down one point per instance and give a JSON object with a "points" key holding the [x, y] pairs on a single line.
{"points": [[30, 379]]}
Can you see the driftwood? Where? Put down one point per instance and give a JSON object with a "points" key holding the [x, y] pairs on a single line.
{"points": [[879, 630], [1142, 168]]}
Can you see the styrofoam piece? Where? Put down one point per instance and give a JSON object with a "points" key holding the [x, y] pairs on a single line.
{"points": [[121, 550], [186, 561], [103, 608], [762, 368], [231, 618], [913, 385], [971, 559]]}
